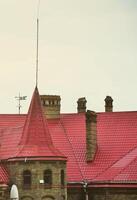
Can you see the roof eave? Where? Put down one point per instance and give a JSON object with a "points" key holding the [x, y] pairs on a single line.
{"points": [[36, 158]]}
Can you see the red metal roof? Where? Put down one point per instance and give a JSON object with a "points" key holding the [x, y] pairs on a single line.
{"points": [[116, 139], [4, 177], [116, 156], [35, 141]]}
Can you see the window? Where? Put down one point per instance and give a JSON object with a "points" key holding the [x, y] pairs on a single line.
{"points": [[48, 178], [27, 179], [62, 178]]}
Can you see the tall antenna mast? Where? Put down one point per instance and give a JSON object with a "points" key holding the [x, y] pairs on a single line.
{"points": [[37, 48], [37, 53]]}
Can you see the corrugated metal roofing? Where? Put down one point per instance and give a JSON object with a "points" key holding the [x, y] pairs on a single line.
{"points": [[116, 156], [116, 139]]}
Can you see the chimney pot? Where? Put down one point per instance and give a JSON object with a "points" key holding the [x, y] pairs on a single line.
{"points": [[81, 105], [51, 105], [108, 104]]}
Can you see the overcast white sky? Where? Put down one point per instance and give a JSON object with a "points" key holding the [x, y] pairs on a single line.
{"points": [[86, 48]]}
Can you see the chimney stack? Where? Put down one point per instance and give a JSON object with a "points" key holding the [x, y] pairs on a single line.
{"points": [[81, 105], [51, 106], [108, 104], [91, 135]]}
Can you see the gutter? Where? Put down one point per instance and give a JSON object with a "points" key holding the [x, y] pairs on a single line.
{"points": [[110, 184]]}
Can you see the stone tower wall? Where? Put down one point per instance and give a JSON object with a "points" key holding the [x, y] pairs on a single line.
{"points": [[38, 190], [103, 193]]}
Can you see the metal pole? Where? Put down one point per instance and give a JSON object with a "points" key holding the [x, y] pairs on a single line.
{"points": [[85, 186], [86, 195], [37, 53], [19, 103], [19, 99]]}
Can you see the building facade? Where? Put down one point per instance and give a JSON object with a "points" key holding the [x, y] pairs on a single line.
{"points": [[75, 156]]}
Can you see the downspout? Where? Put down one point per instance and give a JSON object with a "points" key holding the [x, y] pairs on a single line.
{"points": [[85, 187]]}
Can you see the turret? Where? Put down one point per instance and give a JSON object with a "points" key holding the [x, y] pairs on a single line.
{"points": [[38, 168]]}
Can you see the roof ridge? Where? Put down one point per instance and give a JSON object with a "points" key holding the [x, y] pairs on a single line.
{"points": [[117, 112]]}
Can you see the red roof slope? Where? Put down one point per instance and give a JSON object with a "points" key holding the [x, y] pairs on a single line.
{"points": [[36, 140], [116, 156], [129, 173], [123, 169], [116, 137]]}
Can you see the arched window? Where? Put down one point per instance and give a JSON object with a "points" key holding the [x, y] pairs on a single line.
{"points": [[27, 179], [48, 178], [62, 177]]}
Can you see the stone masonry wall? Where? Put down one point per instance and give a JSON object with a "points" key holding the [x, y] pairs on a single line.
{"points": [[38, 190], [113, 194], [3, 192], [51, 106], [91, 135], [76, 194], [103, 194]]}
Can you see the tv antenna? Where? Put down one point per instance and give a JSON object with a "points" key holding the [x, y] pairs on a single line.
{"points": [[19, 99]]}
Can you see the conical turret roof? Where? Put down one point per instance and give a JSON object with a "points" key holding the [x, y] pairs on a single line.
{"points": [[36, 142]]}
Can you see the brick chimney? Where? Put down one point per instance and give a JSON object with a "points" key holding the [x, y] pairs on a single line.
{"points": [[51, 105], [108, 104], [81, 105], [91, 135]]}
